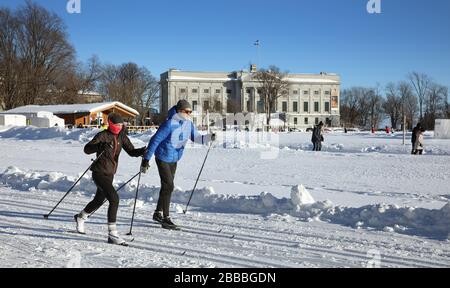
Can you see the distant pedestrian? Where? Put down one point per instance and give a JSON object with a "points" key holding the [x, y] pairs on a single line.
{"points": [[418, 147], [317, 137], [414, 135]]}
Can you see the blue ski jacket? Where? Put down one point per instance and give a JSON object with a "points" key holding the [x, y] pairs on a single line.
{"points": [[170, 140]]}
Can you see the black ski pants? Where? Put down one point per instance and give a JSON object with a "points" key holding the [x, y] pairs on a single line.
{"points": [[167, 175], [105, 190]]}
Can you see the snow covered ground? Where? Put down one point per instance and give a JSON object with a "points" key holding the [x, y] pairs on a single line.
{"points": [[362, 199]]}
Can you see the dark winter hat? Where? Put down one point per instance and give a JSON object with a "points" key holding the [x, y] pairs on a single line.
{"points": [[115, 118], [183, 104], [321, 123]]}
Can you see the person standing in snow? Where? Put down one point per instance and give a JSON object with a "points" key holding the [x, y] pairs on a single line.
{"points": [[111, 141], [418, 145], [415, 133], [168, 145], [317, 137]]}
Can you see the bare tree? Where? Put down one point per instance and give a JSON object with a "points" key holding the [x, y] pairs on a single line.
{"points": [[363, 96], [420, 82], [393, 105], [435, 104], [45, 51], [376, 107], [35, 54], [273, 84], [132, 85], [409, 103], [149, 96], [447, 110], [89, 74], [8, 59], [349, 106]]}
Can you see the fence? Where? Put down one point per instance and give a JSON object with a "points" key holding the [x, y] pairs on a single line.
{"points": [[131, 129]]}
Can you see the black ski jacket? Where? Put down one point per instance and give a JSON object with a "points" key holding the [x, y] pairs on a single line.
{"points": [[112, 144]]}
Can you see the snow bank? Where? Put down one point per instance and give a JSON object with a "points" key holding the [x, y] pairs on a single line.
{"points": [[34, 133], [389, 218], [408, 220], [63, 134]]}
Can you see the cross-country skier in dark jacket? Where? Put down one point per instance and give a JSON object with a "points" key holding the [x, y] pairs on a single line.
{"points": [[317, 137], [111, 141], [168, 145]]}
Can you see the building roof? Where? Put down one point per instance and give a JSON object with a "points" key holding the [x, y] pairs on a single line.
{"points": [[188, 76], [73, 108]]}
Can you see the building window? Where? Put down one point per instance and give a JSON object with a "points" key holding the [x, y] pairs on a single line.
{"points": [[316, 120], [328, 122], [295, 121], [305, 107], [260, 107], [218, 106], [206, 91], [306, 92], [194, 105], [295, 92], [295, 106], [249, 91], [205, 106], [327, 106], [259, 91], [316, 106], [248, 106], [327, 92], [218, 91], [306, 120], [182, 91], [194, 91], [316, 92], [229, 91], [284, 106]]}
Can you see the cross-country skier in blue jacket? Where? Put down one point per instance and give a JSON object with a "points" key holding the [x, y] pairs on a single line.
{"points": [[168, 146]]}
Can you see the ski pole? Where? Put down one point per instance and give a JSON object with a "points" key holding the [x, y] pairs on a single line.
{"points": [[135, 200], [67, 193], [200, 173], [118, 189]]}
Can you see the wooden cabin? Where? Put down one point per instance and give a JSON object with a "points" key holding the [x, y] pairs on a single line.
{"points": [[83, 114]]}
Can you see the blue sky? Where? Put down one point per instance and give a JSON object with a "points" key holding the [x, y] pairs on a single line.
{"points": [[300, 36]]}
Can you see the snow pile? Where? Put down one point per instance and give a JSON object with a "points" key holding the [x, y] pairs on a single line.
{"points": [[377, 149], [301, 196], [408, 220], [34, 133]]}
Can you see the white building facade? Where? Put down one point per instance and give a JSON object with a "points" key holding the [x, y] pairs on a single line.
{"points": [[310, 98]]}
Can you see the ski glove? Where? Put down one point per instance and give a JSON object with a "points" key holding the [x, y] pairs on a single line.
{"points": [[213, 137], [144, 166], [141, 151]]}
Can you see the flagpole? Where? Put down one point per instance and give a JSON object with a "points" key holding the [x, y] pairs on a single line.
{"points": [[257, 44]]}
